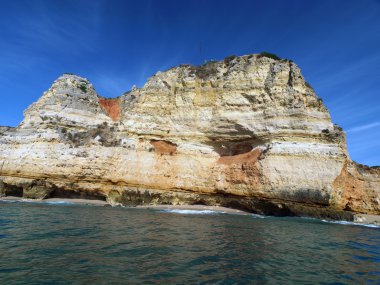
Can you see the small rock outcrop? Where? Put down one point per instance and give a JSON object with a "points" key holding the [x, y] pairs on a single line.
{"points": [[248, 132]]}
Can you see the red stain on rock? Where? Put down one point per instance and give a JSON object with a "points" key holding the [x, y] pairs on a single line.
{"points": [[248, 157], [164, 147], [111, 107], [242, 169], [356, 188]]}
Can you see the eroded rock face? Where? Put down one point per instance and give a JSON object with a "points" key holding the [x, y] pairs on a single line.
{"points": [[245, 132]]}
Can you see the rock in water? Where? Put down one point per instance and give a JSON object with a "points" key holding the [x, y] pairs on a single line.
{"points": [[248, 132]]}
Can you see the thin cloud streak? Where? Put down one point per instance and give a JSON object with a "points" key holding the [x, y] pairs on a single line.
{"points": [[363, 127], [111, 86]]}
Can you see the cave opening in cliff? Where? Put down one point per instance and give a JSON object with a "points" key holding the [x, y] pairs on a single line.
{"points": [[77, 194], [13, 190]]}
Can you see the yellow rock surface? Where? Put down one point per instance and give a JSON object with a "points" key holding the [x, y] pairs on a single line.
{"points": [[245, 132]]}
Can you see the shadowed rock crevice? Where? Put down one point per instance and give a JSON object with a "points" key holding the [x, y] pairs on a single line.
{"points": [[102, 134], [77, 194], [10, 190], [205, 71], [308, 196], [6, 129], [336, 135], [43, 189], [257, 205], [27, 188], [232, 148], [37, 189], [291, 79]]}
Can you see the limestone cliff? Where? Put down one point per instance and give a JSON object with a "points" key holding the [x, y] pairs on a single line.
{"points": [[246, 132]]}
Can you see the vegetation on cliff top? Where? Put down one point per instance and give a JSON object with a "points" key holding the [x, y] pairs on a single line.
{"points": [[269, 55]]}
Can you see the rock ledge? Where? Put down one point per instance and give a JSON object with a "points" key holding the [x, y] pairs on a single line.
{"points": [[247, 132]]}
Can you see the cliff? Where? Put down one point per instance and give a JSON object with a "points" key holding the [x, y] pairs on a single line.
{"points": [[248, 132]]}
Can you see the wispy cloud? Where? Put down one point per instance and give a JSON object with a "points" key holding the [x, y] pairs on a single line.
{"points": [[54, 31], [110, 85], [363, 127], [47, 29], [349, 72]]}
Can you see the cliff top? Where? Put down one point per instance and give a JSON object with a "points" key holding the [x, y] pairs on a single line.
{"points": [[205, 71]]}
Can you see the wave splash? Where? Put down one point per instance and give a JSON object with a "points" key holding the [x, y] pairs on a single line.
{"points": [[257, 216], [192, 212], [59, 203], [347, 223], [31, 201]]}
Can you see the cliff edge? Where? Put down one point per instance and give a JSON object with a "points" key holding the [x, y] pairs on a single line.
{"points": [[247, 132]]}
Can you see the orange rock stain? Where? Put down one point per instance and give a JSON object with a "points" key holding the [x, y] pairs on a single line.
{"points": [[111, 107], [248, 157], [164, 147]]}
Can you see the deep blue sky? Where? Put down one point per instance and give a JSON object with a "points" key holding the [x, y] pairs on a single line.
{"points": [[116, 44]]}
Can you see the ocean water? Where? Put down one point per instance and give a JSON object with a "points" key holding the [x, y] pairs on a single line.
{"points": [[74, 244]]}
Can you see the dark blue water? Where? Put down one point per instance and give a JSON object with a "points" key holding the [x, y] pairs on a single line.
{"points": [[72, 244]]}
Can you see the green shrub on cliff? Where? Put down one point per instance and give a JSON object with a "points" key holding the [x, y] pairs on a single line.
{"points": [[83, 87], [268, 54]]}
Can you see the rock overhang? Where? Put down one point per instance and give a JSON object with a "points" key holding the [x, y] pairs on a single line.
{"points": [[247, 127]]}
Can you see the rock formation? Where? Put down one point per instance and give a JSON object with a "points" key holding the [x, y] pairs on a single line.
{"points": [[247, 132]]}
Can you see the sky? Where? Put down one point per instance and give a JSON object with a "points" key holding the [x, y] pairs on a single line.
{"points": [[118, 44]]}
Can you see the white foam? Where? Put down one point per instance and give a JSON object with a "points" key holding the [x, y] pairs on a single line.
{"points": [[59, 203], [257, 216], [351, 224], [30, 201], [9, 201], [191, 212]]}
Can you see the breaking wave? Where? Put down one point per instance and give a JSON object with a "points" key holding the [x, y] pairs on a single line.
{"points": [[192, 212], [59, 203], [351, 224], [257, 216]]}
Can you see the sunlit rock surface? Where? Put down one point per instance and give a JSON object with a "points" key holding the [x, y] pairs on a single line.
{"points": [[248, 132]]}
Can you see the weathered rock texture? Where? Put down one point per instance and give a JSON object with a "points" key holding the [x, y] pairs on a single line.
{"points": [[247, 132]]}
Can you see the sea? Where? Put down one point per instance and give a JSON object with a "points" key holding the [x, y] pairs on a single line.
{"points": [[64, 243]]}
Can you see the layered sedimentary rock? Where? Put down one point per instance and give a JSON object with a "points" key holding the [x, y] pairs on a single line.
{"points": [[246, 132]]}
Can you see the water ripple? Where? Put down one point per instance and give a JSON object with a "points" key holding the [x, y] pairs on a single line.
{"points": [[49, 244]]}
